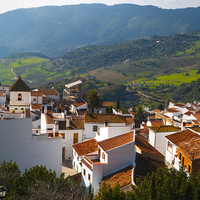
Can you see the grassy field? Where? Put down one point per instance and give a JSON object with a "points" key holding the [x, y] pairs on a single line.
{"points": [[109, 76], [176, 79], [27, 61]]}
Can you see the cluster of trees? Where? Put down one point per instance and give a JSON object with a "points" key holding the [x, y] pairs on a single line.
{"points": [[39, 183], [163, 184]]}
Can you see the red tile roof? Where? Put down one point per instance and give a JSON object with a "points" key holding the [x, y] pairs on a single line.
{"points": [[36, 93], [49, 91], [172, 110], [143, 144], [129, 120], [190, 109], [191, 145], [164, 128], [36, 106], [188, 113], [100, 118], [122, 176], [181, 136], [49, 117], [116, 141], [197, 116], [78, 102], [76, 123], [86, 163], [86, 147], [157, 122], [179, 104]]}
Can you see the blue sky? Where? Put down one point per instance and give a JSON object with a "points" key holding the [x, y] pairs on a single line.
{"points": [[6, 5]]}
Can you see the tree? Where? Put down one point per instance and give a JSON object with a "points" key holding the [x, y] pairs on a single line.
{"points": [[168, 184], [108, 193], [140, 113], [118, 104], [39, 183], [94, 100], [9, 173], [160, 107]]}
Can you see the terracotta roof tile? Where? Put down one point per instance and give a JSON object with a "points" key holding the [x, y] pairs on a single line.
{"points": [[36, 93], [129, 120], [49, 117], [76, 124], [156, 110], [144, 145], [78, 102], [172, 110], [49, 91], [191, 145], [157, 122], [19, 85], [81, 111], [36, 106], [188, 113], [86, 163], [116, 141], [190, 109], [100, 118], [122, 176], [179, 104], [164, 128], [86, 147], [197, 116], [180, 136], [144, 132]]}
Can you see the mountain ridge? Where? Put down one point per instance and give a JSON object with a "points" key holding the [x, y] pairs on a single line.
{"points": [[56, 30]]}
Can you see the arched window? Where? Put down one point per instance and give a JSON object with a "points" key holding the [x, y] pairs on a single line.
{"points": [[19, 97]]}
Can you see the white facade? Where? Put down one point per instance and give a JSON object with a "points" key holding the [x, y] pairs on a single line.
{"points": [[172, 155], [27, 150], [157, 140], [19, 100], [108, 132], [3, 98], [68, 141], [90, 128], [110, 161]]}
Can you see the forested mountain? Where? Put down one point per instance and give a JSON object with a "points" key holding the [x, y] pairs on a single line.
{"points": [[56, 30]]}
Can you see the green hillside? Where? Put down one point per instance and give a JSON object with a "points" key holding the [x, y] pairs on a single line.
{"points": [[56, 30]]}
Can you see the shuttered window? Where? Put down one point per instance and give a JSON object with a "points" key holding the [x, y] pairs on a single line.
{"points": [[75, 138]]}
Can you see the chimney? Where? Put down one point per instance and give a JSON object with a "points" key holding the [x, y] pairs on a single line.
{"points": [[56, 128], [105, 123], [65, 112], [183, 126], [67, 122], [45, 110]]}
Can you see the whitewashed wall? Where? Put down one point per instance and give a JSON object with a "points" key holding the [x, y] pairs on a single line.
{"points": [[18, 144]]}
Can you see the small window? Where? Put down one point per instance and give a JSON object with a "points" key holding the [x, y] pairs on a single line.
{"points": [[95, 128], [189, 168], [103, 155], [84, 172], [88, 176], [16, 108], [180, 156], [19, 97], [34, 99], [75, 138], [22, 108], [183, 160], [99, 152]]}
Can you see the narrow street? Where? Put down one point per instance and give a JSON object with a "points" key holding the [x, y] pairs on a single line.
{"points": [[11, 69]]}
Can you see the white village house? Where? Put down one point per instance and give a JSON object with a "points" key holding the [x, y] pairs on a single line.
{"points": [[18, 144], [106, 156]]}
